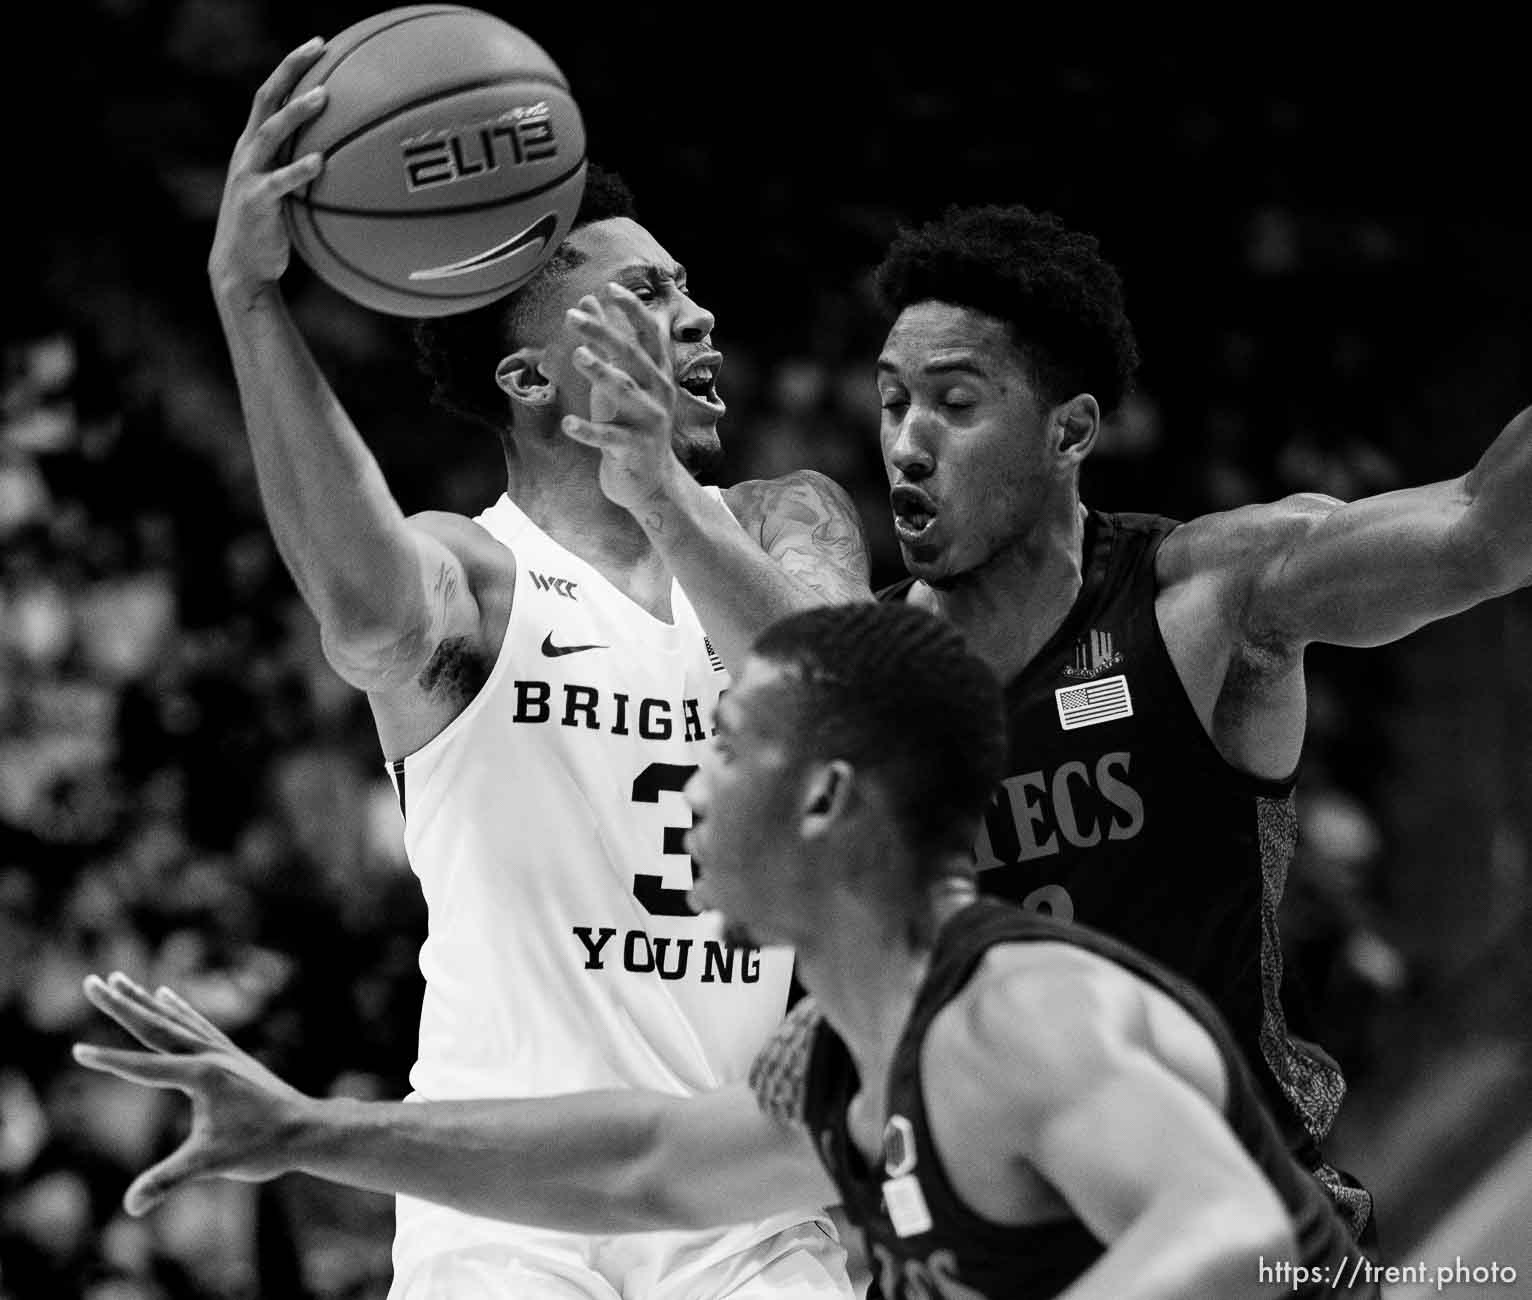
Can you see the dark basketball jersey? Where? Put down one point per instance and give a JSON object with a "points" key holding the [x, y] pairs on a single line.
{"points": [[928, 1243], [1120, 813]]}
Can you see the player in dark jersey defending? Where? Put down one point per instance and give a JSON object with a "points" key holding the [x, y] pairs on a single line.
{"points": [[1007, 1105], [1153, 669]]}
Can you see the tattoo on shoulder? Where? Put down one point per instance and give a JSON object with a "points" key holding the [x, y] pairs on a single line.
{"points": [[808, 502], [456, 671]]}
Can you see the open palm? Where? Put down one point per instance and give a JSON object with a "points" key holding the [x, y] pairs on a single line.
{"points": [[240, 1109]]}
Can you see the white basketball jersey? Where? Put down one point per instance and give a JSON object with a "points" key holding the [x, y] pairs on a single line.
{"points": [[545, 824]]}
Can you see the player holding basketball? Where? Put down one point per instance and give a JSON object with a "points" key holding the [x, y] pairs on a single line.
{"points": [[542, 686], [1009, 1106], [1153, 670]]}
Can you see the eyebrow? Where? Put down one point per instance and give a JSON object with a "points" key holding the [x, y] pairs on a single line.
{"points": [[954, 367], [651, 274]]}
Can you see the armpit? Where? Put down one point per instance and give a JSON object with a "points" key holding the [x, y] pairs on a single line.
{"points": [[456, 671]]}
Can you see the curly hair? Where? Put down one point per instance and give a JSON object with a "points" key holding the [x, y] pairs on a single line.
{"points": [[459, 353], [894, 690], [1061, 300]]}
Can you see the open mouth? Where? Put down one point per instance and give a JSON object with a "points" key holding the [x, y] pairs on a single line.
{"points": [[698, 380], [914, 512]]}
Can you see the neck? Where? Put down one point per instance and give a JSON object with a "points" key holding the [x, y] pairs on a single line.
{"points": [[557, 485], [867, 987], [1011, 604]]}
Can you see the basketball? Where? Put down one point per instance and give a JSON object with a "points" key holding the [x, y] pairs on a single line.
{"points": [[454, 161]]}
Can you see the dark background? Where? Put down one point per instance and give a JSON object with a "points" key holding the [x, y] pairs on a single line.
{"points": [[1326, 256]]}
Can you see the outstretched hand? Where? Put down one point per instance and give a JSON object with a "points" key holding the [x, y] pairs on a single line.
{"points": [[632, 394], [241, 1111]]}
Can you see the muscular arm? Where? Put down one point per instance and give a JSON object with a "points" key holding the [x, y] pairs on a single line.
{"points": [[801, 546], [385, 593], [1371, 571], [1243, 592], [1143, 1158]]}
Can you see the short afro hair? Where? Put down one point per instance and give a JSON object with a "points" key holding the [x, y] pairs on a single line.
{"points": [[1061, 300], [896, 691], [459, 353]]}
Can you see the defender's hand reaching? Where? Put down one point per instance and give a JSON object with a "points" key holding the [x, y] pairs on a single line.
{"points": [[251, 246], [241, 1111], [632, 395]]}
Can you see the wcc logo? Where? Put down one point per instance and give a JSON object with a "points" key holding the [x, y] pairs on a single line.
{"points": [[1093, 656], [458, 153], [558, 586]]}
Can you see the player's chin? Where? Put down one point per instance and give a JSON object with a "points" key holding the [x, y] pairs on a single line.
{"points": [[927, 559], [938, 559], [697, 446]]}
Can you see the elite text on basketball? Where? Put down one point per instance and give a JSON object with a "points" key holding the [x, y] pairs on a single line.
{"points": [[458, 153]]}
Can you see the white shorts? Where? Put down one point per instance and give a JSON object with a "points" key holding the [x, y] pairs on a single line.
{"points": [[802, 1262]]}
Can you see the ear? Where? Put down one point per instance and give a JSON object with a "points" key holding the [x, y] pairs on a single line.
{"points": [[828, 798], [521, 377], [1074, 426]]}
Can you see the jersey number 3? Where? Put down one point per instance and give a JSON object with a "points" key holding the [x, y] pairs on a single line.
{"points": [[651, 891]]}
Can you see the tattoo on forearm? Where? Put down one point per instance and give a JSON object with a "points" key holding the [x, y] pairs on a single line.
{"points": [[445, 586]]}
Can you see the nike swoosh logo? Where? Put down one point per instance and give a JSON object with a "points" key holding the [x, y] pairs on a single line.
{"points": [[535, 237], [554, 651]]}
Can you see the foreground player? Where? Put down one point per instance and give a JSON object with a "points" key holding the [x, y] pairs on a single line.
{"points": [[541, 687], [1153, 671], [1006, 1105]]}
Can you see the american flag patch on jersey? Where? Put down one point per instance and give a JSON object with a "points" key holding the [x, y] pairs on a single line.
{"points": [[1093, 702], [712, 656]]}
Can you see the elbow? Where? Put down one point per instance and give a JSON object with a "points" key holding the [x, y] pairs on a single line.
{"points": [[644, 1193], [370, 651]]}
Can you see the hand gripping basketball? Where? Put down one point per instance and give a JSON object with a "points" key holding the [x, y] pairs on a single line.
{"points": [[632, 395], [240, 1110], [251, 246]]}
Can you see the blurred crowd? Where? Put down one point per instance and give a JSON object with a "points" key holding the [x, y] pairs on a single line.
{"points": [[189, 793]]}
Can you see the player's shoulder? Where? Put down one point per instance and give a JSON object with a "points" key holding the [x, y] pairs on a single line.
{"points": [[1242, 538], [1045, 1013], [450, 527], [803, 496], [480, 553]]}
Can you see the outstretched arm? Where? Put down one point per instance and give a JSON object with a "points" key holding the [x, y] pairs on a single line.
{"points": [[777, 546], [587, 1162], [385, 593], [1370, 571]]}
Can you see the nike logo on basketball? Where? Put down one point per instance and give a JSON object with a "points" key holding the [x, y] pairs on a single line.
{"points": [[554, 651], [535, 237]]}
